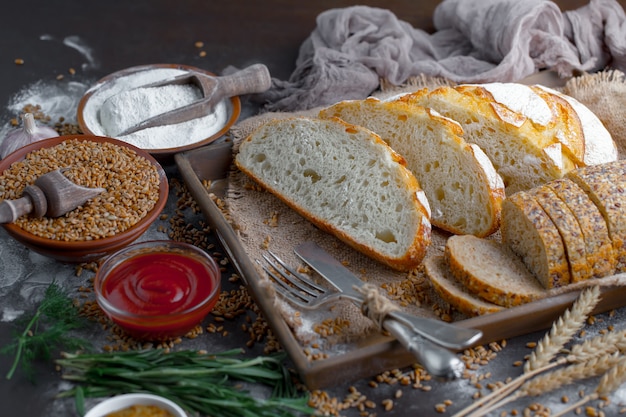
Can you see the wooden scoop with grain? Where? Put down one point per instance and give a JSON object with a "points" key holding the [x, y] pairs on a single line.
{"points": [[52, 195]]}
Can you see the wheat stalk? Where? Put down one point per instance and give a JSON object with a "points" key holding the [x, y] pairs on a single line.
{"points": [[609, 342], [561, 332], [563, 329], [556, 379], [610, 381]]}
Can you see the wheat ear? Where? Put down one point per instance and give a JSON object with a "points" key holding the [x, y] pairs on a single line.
{"points": [[563, 329], [610, 381], [556, 379], [609, 342], [561, 332]]}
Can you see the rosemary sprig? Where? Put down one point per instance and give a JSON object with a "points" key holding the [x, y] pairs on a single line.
{"points": [[204, 383], [46, 330]]}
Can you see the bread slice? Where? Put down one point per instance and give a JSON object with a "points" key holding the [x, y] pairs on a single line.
{"points": [[598, 245], [491, 271], [521, 154], [452, 292], [569, 229], [530, 233], [605, 184], [464, 191], [345, 180]]}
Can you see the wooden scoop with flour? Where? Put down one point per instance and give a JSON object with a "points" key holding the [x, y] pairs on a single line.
{"points": [[253, 79], [52, 195]]}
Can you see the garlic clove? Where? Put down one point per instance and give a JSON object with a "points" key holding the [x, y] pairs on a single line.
{"points": [[30, 132]]}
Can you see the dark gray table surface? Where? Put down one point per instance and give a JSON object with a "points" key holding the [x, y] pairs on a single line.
{"points": [[98, 38]]}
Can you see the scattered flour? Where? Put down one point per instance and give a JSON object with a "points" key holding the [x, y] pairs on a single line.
{"points": [[112, 107]]}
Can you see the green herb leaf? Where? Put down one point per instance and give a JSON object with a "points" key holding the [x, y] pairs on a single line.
{"points": [[204, 383], [47, 329]]}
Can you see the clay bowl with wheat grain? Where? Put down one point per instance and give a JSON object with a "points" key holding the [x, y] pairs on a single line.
{"points": [[89, 113], [136, 190]]}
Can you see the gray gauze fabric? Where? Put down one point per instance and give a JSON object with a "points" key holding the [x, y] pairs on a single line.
{"points": [[474, 41]]}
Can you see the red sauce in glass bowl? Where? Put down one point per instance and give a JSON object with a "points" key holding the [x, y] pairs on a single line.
{"points": [[158, 290]]}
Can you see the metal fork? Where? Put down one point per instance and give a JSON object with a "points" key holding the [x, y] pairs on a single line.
{"points": [[303, 292], [306, 294]]}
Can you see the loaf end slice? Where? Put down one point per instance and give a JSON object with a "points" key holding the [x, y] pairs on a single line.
{"points": [[464, 190], [454, 293], [529, 232], [491, 271], [345, 180]]}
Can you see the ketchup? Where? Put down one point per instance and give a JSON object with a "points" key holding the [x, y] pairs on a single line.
{"points": [[163, 284]]}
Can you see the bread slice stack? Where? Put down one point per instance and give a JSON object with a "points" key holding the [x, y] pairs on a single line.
{"points": [[464, 191], [532, 135], [344, 179], [564, 233]]}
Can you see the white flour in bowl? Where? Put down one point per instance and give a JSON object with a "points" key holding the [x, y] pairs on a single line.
{"points": [[113, 107]]}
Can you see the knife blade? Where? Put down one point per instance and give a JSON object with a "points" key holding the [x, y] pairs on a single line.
{"points": [[341, 278]]}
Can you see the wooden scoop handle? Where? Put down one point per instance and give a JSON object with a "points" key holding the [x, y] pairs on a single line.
{"points": [[253, 79]]}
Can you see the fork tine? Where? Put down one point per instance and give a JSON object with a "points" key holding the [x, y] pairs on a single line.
{"points": [[288, 291], [299, 279], [291, 284]]}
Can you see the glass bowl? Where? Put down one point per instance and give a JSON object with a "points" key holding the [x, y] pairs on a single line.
{"points": [[158, 290]]}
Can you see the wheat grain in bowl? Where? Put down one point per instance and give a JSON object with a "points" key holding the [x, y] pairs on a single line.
{"points": [[136, 190]]}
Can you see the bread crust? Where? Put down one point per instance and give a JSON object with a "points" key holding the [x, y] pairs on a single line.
{"points": [[413, 251]]}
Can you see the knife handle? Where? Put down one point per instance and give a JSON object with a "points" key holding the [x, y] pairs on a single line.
{"points": [[448, 335], [437, 360]]}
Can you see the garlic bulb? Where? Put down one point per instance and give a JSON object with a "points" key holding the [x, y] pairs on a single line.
{"points": [[29, 133]]}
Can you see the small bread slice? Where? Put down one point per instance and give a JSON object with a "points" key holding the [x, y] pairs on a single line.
{"points": [[531, 234], [598, 245], [521, 154], [491, 271], [345, 180], [464, 191], [454, 293], [569, 229], [605, 184]]}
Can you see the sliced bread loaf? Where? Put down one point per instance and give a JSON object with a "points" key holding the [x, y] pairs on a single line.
{"points": [[605, 184], [452, 292], [491, 271], [531, 234], [347, 181], [569, 229], [521, 154], [598, 246], [463, 189]]}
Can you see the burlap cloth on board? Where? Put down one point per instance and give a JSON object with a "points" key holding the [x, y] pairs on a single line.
{"points": [[265, 223]]}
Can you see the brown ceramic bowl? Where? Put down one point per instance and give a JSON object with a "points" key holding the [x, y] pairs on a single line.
{"points": [[88, 107], [84, 251]]}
